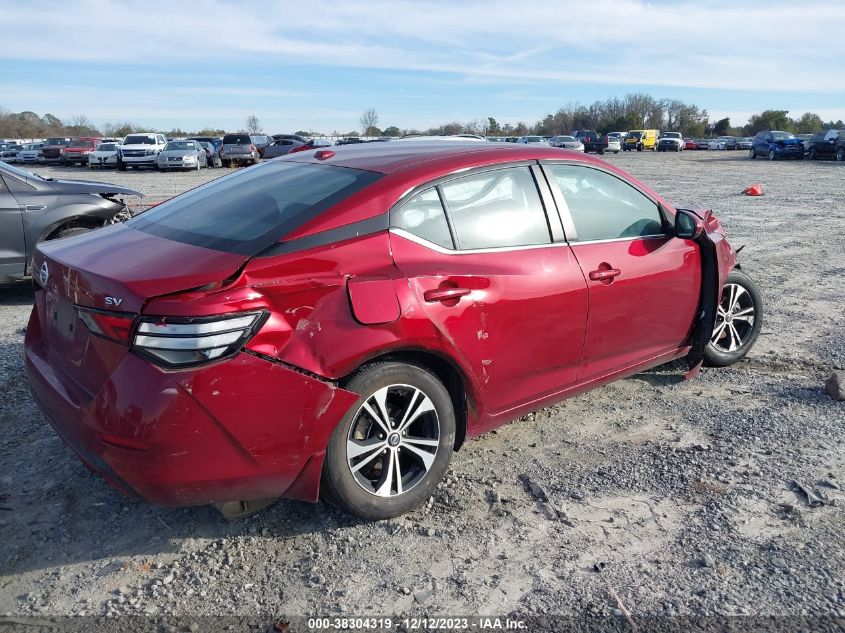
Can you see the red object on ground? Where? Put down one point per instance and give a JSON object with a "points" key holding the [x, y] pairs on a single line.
{"points": [[754, 190]]}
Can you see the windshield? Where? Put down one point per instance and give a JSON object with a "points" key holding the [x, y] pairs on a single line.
{"points": [[634, 134], [174, 145], [20, 173], [782, 136], [532, 139], [80, 144], [139, 140], [567, 139], [252, 209], [672, 135], [32, 146], [56, 141], [106, 147]]}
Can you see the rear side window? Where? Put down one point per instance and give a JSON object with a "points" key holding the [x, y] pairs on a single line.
{"points": [[424, 217], [605, 207], [495, 209], [252, 209]]}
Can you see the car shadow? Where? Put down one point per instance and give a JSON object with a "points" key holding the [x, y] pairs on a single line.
{"points": [[16, 293], [664, 375]]}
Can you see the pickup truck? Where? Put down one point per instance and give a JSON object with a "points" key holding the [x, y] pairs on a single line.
{"points": [[592, 140], [51, 151], [671, 142], [77, 151], [140, 150]]}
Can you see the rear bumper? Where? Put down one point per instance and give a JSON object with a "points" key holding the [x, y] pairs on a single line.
{"points": [[245, 428]]}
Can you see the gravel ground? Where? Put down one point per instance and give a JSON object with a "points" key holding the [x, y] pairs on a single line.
{"points": [[672, 498]]}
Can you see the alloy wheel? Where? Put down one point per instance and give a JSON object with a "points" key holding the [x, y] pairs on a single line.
{"points": [[734, 319], [393, 440]]}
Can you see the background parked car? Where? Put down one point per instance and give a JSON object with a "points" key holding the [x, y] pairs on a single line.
{"points": [[671, 142], [715, 143], [776, 145], [104, 155], [702, 143], [33, 209], [729, 141], [567, 142], [534, 140], [690, 144], [840, 147], [212, 156], [184, 154], [316, 143], [613, 144], [281, 147], [51, 152], [9, 154], [77, 151], [744, 142], [30, 153], [592, 140], [260, 141], [238, 148], [823, 144], [140, 150], [641, 139]]}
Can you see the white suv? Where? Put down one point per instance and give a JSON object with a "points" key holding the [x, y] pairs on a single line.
{"points": [[140, 150]]}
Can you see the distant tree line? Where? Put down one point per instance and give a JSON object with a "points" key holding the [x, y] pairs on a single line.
{"points": [[633, 111]]}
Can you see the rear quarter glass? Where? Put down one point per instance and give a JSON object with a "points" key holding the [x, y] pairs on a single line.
{"points": [[249, 211]]}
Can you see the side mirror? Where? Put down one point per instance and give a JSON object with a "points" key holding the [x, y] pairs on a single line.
{"points": [[688, 226]]}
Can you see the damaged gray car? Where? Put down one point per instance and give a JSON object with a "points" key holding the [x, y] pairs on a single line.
{"points": [[34, 209]]}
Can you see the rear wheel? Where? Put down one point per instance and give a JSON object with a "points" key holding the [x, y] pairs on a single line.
{"points": [[840, 154], [772, 155], [813, 155], [739, 318], [390, 451], [71, 232]]}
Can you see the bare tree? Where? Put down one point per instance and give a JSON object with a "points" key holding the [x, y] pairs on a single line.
{"points": [[368, 120], [253, 126]]}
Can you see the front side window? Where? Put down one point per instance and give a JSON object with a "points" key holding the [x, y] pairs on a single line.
{"points": [[603, 206], [424, 217], [496, 209]]}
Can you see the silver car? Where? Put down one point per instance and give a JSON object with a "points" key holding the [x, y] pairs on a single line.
{"points": [[567, 142], [238, 148], [30, 153], [182, 155]]}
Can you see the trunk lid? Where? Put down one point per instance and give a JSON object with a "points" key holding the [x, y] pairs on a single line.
{"points": [[116, 269]]}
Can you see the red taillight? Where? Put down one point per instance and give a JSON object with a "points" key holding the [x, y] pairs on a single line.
{"points": [[323, 154], [109, 325]]}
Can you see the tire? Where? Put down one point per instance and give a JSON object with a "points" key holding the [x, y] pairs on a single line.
{"points": [[772, 155], [372, 492], [813, 155], [121, 166], [733, 337], [752, 154], [840, 154], [639, 148]]}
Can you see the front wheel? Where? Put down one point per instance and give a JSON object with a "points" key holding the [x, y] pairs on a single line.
{"points": [[739, 317], [390, 451], [752, 154], [772, 155]]}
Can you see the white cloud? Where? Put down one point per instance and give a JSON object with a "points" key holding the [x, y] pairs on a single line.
{"points": [[763, 46]]}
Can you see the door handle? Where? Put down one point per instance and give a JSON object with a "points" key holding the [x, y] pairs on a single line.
{"points": [[604, 274], [445, 294], [35, 207]]}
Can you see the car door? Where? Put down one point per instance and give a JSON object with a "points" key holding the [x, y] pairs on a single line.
{"points": [[498, 281], [12, 242], [643, 284]]}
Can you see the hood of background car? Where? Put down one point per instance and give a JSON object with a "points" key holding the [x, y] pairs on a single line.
{"points": [[85, 186]]}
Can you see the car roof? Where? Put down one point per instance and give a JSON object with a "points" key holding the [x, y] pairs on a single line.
{"points": [[390, 158]]}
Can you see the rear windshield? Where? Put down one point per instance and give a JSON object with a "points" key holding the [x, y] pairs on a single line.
{"points": [[81, 144], [252, 209], [56, 141], [237, 139], [139, 140]]}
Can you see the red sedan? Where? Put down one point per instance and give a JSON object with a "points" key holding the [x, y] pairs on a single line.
{"points": [[338, 322]]}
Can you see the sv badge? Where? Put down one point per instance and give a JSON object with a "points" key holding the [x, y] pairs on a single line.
{"points": [[114, 301]]}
